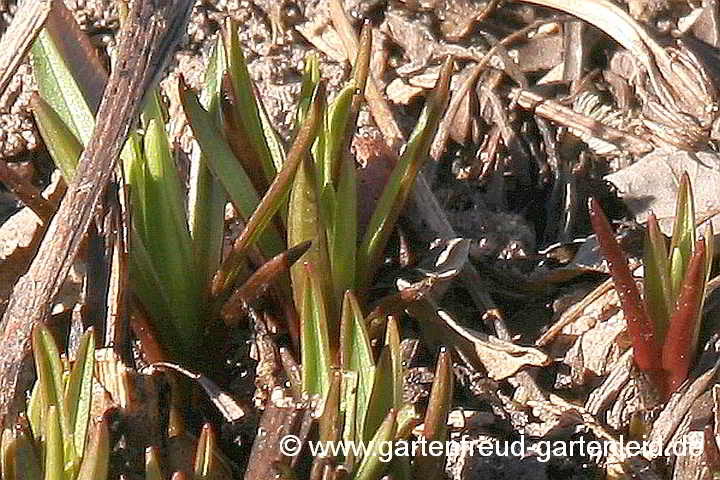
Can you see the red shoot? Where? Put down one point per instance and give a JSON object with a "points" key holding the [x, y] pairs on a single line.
{"points": [[677, 354], [646, 349]]}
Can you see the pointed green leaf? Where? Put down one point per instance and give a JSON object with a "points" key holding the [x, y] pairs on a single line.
{"points": [[165, 194], [54, 457], [343, 236], [357, 356], [207, 196], [226, 168], [392, 340], [246, 107], [310, 79], [402, 180], [135, 170], [376, 460], [348, 408], [63, 146], [303, 225], [658, 292], [70, 78], [216, 68], [153, 109], [36, 411], [276, 194], [407, 420], [238, 137], [168, 238], [316, 359], [147, 282], [382, 395], [683, 239], [58, 87], [337, 120], [203, 453], [440, 401], [209, 465], [206, 463], [307, 222], [152, 464], [342, 119], [436, 416], [50, 370], [78, 396], [274, 142]]}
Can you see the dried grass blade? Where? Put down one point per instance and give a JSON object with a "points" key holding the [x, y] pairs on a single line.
{"points": [[258, 283], [274, 197]]}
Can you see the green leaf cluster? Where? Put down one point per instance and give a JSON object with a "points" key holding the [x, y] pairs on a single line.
{"points": [[674, 291], [362, 392], [665, 324], [55, 444], [286, 198]]}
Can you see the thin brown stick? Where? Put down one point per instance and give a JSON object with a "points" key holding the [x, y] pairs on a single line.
{"points": [[18, 38], [259, 282], [563, 115]]}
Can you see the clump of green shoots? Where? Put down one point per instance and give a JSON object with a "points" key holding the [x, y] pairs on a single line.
{"points": [[302, 201], [664, 325], [362, 391], [53, 441]]}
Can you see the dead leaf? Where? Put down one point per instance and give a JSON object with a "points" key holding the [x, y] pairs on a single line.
{"points": [[598, 347], [323, 38], [228, 407], [400, 92], [318, 30], [499, 358], [459, 17], [651, 184]]}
